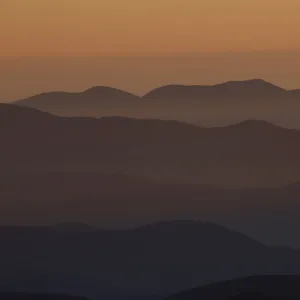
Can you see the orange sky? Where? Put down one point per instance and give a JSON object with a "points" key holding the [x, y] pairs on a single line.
{"points": [[91, 27]]}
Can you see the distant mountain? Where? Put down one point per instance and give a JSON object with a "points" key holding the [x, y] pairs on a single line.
{"points": [[251, 153], [212, 105], [256, 88], [112, 200], [96, 101], [158, 169], [159, 260], [225, 103], [252, 288], [13, 116]]}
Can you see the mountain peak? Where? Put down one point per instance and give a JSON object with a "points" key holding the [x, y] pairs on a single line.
{"points": [[253, 84], [256, 81], [254, 124], [99, 89], [256, 88], [106, 91]]}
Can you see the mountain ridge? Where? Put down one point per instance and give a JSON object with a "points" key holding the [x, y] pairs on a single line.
{"points": [[149, 147], [16, 111], [251, 83], [214, 105], [258, 85], [135, 261]]}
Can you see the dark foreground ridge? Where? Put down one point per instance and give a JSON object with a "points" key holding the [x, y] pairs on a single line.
{"points": [[248, 154], [149, 262], [118, 171], [252, 288]]}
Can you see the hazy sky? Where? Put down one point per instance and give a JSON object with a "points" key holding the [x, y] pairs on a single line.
{"points": [[88, 27], [65, 44]]}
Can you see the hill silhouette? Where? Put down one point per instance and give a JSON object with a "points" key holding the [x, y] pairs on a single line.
{"points": [[11, 115], [112, 200], [95, 101], [213, 105], [230, 89], [253, 287], [251, 153], [158, 169], [159, 259]]}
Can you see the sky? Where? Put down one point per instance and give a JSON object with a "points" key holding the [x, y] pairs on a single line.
{"points": [[95, 27], [138, 45]]}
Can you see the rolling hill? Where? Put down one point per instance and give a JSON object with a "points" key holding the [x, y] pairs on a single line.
{"points": [[158, 169], [120, 200], [251, 153], [152, 261], [219, 104], [255, 88], [96, 101]]}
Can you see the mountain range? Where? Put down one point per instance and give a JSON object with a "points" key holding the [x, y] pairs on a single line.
{"points": [[248, 154], [159, 169], [121, 172], [150, 262], [124, 201], [213, 105]]}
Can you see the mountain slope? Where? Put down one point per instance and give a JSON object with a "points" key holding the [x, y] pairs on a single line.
{"points": [[225, 103], [251, 153], [218, 104], [120, 200], [256, 88], [96, 101], [158, 259]]}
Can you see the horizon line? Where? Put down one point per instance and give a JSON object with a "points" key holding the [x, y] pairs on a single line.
{"points": [[140, 95]]}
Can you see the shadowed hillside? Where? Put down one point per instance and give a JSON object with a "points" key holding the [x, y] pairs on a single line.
{"points": [[228, 90], [158, 169], [154, 260], [251, 153], [120, 200], [96, 101], [254, 287]]}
